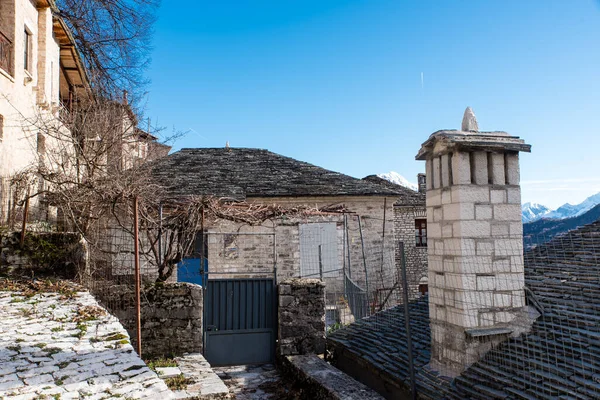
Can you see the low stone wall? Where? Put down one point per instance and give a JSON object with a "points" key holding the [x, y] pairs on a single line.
{"points": [[58, 254], [171, 317], [301, 317], [317, 380]]}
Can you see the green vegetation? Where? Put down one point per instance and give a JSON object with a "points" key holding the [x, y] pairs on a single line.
{"points": [[115, 336], [63, 364], [160, 363], [179, 382], [52, 350], [82, 330]]}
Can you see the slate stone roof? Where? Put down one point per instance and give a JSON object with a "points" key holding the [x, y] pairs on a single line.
{"points": [[407, 197], [381, 340], [558, 359], [240, 173]]}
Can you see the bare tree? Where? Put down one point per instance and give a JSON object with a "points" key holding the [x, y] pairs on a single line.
{"points": [[114, 40]]}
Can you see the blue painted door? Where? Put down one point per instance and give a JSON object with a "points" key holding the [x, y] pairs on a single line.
{"points": [[189, 270]]}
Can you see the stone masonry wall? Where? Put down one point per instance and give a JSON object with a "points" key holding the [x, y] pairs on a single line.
{"points": [[416, 257], [301, 317], [171, 317], [42, 254], [235, 247]]}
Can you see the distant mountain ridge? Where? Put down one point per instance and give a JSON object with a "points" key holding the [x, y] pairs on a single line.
{"points": [[532, 211], [543, 230], [569, 210], [398, 179]]}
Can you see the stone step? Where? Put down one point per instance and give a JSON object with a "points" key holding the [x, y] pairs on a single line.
{"points": [[319, 379]]}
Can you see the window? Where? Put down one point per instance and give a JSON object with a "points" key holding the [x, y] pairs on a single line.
{"points": [[319, 256], [27, 51], [421, 232]]}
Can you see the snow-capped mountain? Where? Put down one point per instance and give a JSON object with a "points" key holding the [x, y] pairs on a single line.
{"points": [[533, 211], [398, 179], [569, 210]]}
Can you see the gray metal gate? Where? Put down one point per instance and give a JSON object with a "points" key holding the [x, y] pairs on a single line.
{"points": [[239, 321]]}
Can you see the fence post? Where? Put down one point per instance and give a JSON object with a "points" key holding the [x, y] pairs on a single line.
{"points": [[347, 245], [362, 245], [382, 244], [25, 216], [136, 238], [160, 216], [411, 366], [320, 263]]}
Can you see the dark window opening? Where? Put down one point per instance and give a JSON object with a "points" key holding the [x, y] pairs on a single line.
{"points": [[27, 51], [421, 232]]}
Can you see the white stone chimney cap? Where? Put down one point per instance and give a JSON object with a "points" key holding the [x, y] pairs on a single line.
{"points": [[469, 122]]}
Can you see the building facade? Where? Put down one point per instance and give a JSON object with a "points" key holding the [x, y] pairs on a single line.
{"points": [[410, 230], [40, 72]]}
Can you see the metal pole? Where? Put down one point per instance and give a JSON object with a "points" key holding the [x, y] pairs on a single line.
{"points": [[411, 366], [202, 239], [275, 255], [136, 239], [320, 264], [362, 245], [382, 243], [160, 216], [25, 216], [347, 245]]}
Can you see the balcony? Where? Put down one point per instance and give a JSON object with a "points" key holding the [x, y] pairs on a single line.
{"points": [[6, 54]]}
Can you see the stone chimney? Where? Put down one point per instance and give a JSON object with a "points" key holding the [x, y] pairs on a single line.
{"points": [[475, 242], [422, 183]]}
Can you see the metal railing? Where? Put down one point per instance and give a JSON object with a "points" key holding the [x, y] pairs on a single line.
{"points": [[6, 54]]}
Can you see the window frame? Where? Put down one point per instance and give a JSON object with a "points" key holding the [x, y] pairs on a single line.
{"points": [[27, 47], [420, 232]]}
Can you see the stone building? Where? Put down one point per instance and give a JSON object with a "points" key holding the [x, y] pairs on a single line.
{"points": [[410, 228], [43, 83], [344, 249], [39, 72]]}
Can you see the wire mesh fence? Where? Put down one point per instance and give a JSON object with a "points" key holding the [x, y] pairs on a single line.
{"points": [[513, 318], [358, 259]]}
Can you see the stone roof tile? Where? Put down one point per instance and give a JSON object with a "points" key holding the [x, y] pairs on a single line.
{"points": [[240, 173]]}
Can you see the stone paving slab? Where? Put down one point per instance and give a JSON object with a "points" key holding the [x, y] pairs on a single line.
{"points": [[56, 346], [251, 382], [167, 372], [203, 383]]}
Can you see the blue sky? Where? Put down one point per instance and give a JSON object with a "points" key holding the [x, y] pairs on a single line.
{"points": [[338, 83]]}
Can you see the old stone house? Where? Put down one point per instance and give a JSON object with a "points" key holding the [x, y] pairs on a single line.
{"points": [[354, 248], [410, 228]]}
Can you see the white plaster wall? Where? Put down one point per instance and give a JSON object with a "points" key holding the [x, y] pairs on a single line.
{"points": [[20, 95]]}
